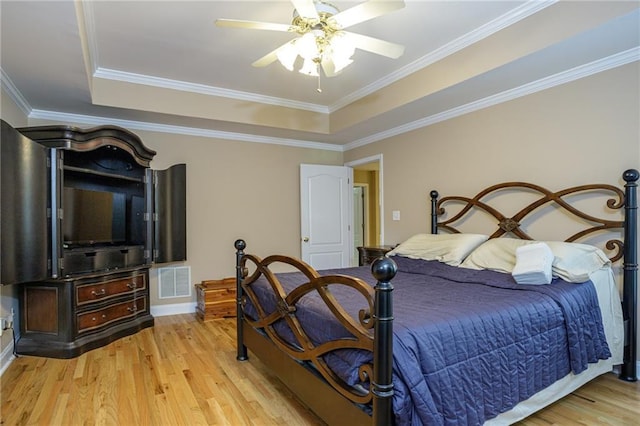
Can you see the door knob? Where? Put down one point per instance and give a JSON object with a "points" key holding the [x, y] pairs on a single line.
{"points": [[305, 239]]}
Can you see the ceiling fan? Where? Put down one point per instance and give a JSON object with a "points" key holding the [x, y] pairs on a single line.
{"points": [[322, 41]]}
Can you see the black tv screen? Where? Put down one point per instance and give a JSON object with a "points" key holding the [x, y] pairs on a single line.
{"points": [[93, 217]]}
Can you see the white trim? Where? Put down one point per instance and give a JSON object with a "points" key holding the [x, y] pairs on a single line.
{"points": [[567, 76], [6, 358], [14, 93], [373, 159], [88, 22], [181, 130], [147, 80], [509, 18], [513, 16], [548, 82], [173, 309]]}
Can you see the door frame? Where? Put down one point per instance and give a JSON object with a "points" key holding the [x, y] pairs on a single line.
{"points": [[373, 159]]}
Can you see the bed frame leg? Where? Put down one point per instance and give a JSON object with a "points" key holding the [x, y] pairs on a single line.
{"points": [[240, 245], [630, 292], [383, 269]]}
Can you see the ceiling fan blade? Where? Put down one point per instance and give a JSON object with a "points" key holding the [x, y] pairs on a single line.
{"points": [[306, 8], [266, 59], [365, 11], [253, 25], [375, 45], [269, 57]]}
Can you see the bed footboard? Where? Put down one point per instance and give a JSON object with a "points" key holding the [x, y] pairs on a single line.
{"points": [[372, 331]]}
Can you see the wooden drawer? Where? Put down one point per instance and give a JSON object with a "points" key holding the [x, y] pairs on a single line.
{"points": [[94, 319], [88, 293], [216, 299]]}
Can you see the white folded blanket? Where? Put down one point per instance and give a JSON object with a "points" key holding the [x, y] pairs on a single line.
{"points": [[533, 264]]}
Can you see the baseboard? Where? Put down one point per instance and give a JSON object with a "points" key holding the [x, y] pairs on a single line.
{"points": [[6, 358], [173, 309]]}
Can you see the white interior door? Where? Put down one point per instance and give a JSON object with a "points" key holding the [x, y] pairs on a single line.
{"points": [[325, 197]]}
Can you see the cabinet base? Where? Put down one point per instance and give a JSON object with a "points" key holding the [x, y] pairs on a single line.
{"points": [[55, 349]]}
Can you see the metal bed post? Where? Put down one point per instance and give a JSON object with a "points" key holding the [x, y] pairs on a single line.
{"points": [[630, 278], [240, 245], [434, 212], [383, 270]]}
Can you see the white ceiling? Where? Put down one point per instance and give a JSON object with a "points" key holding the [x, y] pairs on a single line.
{"points": [[459, 56]]}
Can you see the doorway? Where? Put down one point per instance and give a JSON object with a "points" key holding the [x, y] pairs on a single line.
{"points": [[367, 175], [361, 233]]}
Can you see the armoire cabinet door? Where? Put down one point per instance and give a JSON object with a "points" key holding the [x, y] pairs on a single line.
{"points": [[24, 234], [170, 214]]}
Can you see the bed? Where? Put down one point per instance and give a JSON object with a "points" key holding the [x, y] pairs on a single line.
{"points": [[442, 330]]}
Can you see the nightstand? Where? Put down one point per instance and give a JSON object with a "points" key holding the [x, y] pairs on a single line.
{"points": [[368, 254]]}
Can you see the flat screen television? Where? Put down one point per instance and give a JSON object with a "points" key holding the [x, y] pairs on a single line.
{"points": [[93, 217]]}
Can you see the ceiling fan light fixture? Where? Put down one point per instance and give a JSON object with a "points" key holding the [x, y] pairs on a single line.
{"points": [[307, 45], [288, 54], [309, 67], [321, 40]]}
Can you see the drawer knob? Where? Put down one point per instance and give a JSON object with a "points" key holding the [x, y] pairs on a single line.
{"points": [[99, 293]]}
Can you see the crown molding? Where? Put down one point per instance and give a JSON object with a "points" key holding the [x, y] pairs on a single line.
{"points": [[513, 16], [613, 61], [180, 130], [86, 22], [203, 89], [564, 77], [14, 93]]}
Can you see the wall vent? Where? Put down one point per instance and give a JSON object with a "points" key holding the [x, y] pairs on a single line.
{"points": [[174, 282]]}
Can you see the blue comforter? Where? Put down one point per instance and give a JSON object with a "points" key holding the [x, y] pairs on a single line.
{"points": [[468, 345]]}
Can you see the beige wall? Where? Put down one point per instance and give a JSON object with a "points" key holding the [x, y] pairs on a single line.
{"points": [[10, 112], [13, 115], [586, 131], [235, 190]]}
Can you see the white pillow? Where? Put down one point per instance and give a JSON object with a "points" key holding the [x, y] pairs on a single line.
{"points": [[447, 248], [573, 262], [497, 254]]}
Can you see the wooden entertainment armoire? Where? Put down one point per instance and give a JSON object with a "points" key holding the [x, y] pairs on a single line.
{"points": [[84, 217]]}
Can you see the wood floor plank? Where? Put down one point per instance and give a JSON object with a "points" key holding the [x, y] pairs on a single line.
{"points": [[184, 372]]}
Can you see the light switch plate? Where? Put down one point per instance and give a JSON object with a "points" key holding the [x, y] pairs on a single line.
{"points": [[396, 215]]}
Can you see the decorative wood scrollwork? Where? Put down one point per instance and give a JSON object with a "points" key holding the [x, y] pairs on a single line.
{"points": [[513, 224], [304, 349]]}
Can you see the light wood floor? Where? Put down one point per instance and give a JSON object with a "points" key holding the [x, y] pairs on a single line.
{"points": [[184, 372]]}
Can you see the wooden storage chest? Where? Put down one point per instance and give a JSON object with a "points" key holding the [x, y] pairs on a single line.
{"points": [[216, 299]]}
